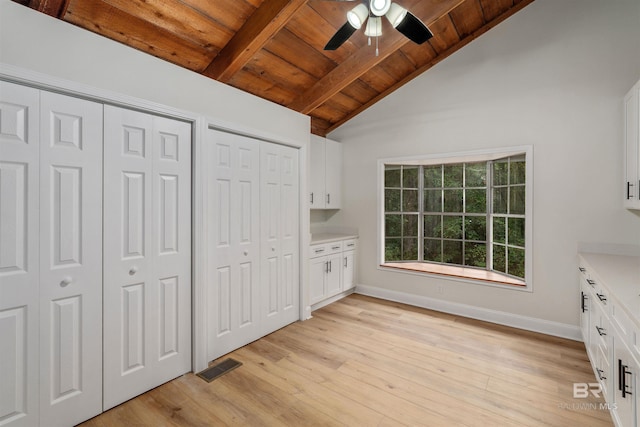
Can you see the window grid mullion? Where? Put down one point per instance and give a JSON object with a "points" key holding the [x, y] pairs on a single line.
{"points": [[489, 210], [420, 213]]}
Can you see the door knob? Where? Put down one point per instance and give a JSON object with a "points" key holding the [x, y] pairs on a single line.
{"points": [[66, 281], [273, 249], [246, 253], [133, 270]]}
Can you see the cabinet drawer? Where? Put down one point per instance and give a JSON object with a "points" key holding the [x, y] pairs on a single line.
{"points": [[349, 245], [600, 333], [322, 249], [334, 247], [319, 250]]}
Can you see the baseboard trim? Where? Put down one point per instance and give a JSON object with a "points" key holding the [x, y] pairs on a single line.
{"points": [[330, 300], [547, 327]]}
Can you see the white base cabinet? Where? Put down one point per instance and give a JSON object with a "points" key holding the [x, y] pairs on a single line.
{"points": [[610, 334], [332, 269]]}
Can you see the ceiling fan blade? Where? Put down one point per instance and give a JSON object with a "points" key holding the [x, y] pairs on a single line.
{"points": [[341, 36], [414, 29]]}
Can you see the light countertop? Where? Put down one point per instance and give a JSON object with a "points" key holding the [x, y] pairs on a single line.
{"points": [[330, 237], [620, 274]]}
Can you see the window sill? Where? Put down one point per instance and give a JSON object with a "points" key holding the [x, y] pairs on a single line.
{"points": [[459, 272]]}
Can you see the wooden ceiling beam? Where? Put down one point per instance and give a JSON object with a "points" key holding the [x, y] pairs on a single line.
{"points": [[364, 59], [443, 55], [261, 26], [55, 8]]}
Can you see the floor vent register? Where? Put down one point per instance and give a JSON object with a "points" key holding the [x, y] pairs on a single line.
{"points": [[219, 369]]}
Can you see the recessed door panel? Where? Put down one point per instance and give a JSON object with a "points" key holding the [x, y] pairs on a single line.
{"points": [[13, 218], [66, 212], [13, 369], [133, 224], [169, 317], [66, 329]]}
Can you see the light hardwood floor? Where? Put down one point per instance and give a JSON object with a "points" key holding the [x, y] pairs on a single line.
{"points": [[368, 362]]}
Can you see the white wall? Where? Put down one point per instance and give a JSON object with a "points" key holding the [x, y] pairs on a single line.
{"points": [[552, 76], [38, 42]]}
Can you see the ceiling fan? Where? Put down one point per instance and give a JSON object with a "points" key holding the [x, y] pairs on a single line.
{"points": [[371, 12]]}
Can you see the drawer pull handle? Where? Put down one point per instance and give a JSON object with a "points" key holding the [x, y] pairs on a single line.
{"points": [[319, 251], [335, 247], [591, 282], [600, 374], [582, 269], [350, 245], [622, 378], [601, 331], [602, 297], [311, 198], [584, 302]]}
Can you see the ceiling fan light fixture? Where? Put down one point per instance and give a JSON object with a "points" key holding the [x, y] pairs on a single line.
{"points": [[396, 14], [379, 7], [357, 16], [374, 27]]}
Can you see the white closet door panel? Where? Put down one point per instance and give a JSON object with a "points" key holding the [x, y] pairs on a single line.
{"points": [[234, 201], [147, 223], [279, 235], [171, 243], [70, 259], [127, 245], [290, 237], [19, 267]]}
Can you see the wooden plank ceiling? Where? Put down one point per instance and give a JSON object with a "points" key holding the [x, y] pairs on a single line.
{"points": [[274, 48]]}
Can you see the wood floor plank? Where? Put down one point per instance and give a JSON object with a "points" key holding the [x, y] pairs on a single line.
{"points": [[364, 361]]}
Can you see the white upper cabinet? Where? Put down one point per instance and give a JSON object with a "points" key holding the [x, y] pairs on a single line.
{"points": [[632, 148], [326, 173]]}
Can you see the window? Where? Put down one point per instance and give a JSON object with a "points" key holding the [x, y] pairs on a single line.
{"points": [[458, 213]]}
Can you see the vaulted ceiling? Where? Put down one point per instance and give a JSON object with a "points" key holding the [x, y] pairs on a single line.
{"points": [[274, 48]]}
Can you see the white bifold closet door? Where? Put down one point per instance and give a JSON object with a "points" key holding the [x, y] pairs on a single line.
{"points": [[19, 254], [280, 254], [50, 258], [147, 252], [253, 231]]}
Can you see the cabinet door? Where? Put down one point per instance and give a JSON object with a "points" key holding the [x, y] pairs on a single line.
{"points": [[318, 270], [19, 240], [625, 372], [348, 270], [147, 259], [632, 149], [334, 274], [333, 172], [70, 259], [585, 311], [317, 197]]}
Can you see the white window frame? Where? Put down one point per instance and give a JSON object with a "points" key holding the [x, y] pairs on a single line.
{"points": [[462, 157]]}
